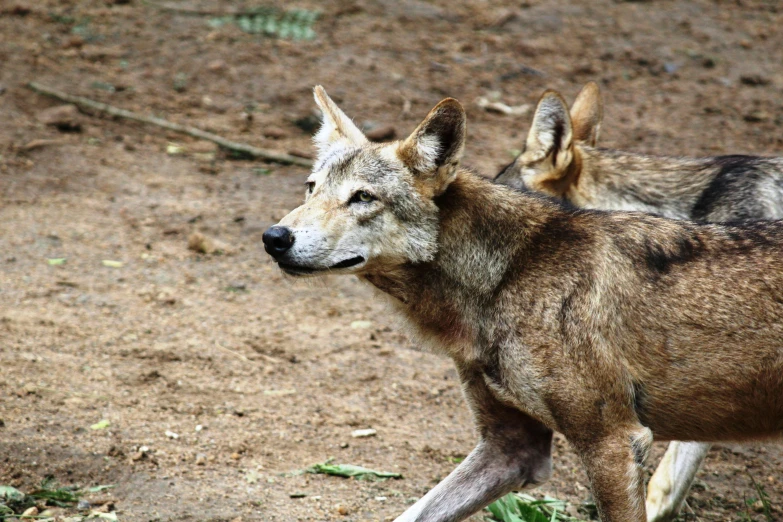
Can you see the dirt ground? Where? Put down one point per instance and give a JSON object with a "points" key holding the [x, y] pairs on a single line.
{"points": [[278, 374]]}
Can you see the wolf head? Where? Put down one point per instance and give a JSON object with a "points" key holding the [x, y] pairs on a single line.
{"points": [[549, 163], [370, 207]]}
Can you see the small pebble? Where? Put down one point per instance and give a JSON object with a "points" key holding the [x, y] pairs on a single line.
{"points": [[360, 434], [297, 494]]}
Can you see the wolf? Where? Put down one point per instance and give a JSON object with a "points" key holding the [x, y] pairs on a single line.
{"points": [[561, 159], [611, 328]]}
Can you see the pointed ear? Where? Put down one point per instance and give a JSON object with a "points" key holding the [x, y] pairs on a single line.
{"points": [[435, 148], [550, 137], [336, 126], [587, 113]]}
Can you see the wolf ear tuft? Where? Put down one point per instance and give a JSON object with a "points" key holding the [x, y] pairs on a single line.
{"points": [[551, 133], [435, 147], [587, 113], [336, 127]]}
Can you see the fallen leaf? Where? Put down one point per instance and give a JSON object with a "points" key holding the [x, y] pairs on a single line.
{"points": [[349, 470], [101, 425]]}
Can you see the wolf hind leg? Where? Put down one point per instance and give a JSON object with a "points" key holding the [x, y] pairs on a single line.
{"points": [[672, 479]]}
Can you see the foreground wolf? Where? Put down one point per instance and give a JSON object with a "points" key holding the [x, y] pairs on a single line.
{"points": [[611, 328], [560, 159]]}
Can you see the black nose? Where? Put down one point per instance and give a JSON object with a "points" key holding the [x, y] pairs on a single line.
{"points": [[277, 240]]}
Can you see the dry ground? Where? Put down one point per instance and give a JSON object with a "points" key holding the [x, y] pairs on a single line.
{"points": [[277, 373]]}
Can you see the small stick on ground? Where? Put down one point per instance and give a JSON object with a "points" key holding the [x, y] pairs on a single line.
{"points": [[82, 103], [232, 352]]}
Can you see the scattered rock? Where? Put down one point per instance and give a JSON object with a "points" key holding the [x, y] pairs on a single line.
{"points": [[73, 42], [754, 80], [217, 66], [381, 133], [142, 453], [30, 512], [96, 53], [275, 133], [65, 118], [103, 506], [202, 244], [201, 460], [757, 116], [235, 456], [166, 296], [361, 434], [115, 451], [27, 389], [297, 494], [170, 434], [342, 510]]}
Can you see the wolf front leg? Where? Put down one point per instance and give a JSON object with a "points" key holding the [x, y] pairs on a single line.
{"points": [[514, 451], [614, 464], [672, 479]]}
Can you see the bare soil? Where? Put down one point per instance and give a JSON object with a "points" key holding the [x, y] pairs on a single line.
{"points": [[278, 374]]}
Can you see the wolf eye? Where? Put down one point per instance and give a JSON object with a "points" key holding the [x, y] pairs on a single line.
{"points": [[362, 197], [310, 186]]}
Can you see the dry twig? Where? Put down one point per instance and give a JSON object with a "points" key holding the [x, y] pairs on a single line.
{"points": [[82, 103]]}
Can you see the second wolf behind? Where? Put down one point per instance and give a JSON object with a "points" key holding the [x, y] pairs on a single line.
{"points": [[561, 159]]}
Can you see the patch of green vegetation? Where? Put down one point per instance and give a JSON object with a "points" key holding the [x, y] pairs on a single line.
{"points": [[294, 24], [13, 502], [518, 507], [761, 504]]}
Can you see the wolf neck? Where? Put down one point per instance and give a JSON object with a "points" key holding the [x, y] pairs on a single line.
{"points": [[483, 229]]}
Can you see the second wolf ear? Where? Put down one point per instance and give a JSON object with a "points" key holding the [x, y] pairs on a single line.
{"points": [[336, 127], [550, 140], [587, 113], [434, 149]]}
